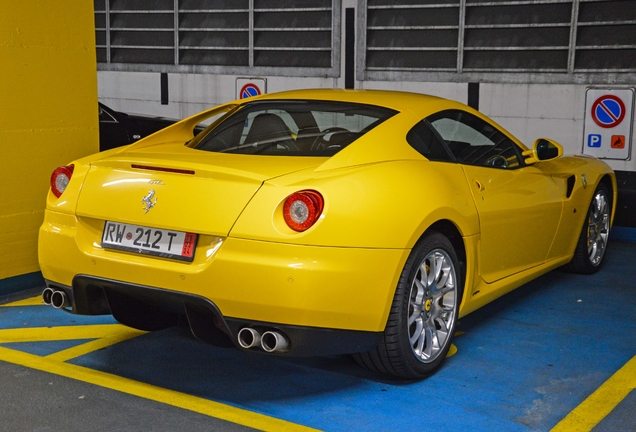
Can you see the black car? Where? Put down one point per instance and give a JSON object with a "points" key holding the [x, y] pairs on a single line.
{"points": [[117, 128]]}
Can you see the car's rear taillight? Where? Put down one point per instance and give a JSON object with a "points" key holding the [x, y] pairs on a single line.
{"points": [[60, 178], [302, 209]]}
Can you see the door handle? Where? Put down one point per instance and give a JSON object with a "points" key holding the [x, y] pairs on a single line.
{"points": [[480, 187]]}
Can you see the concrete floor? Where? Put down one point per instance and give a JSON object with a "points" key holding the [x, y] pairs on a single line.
{"points": [[39, 401], [559, 352]]}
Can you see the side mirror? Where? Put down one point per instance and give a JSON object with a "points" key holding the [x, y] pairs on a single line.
{"points": [[543, 149]]}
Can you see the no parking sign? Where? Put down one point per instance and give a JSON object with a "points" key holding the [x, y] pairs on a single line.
{"points": [[250, 87], [608, 123]]}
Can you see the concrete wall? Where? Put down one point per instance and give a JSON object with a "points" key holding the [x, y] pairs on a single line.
{"points": [[48, 114], [528, 111], [140, 92]]}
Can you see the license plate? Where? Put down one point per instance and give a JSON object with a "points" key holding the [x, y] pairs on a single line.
{"points": [[149, 241]]}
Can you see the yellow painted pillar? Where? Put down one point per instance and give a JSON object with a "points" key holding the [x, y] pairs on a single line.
{"points": [[48, 114]]}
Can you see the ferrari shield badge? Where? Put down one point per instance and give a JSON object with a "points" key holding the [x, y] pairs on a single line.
{"points": [[148, 202]]}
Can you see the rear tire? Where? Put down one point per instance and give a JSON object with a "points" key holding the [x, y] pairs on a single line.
{"points": [[592, 244], [423, 314]]}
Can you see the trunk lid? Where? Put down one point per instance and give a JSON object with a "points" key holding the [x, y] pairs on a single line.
{"points": [[174, 187]]}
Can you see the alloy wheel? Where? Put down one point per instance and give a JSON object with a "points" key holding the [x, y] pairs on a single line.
{"points": [[432, 310], [598, 228]]}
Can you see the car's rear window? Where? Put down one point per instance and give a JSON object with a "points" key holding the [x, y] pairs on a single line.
{"points": [[293, 128]]}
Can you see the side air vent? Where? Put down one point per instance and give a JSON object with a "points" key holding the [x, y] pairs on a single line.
{"points": [[570, 185]]}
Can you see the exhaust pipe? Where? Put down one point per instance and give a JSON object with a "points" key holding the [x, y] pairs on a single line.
{"points": [[46, 295], [248, 337], [59, 300], [272, 341]]}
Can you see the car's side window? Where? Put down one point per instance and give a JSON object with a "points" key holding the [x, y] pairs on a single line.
{"points": [[474, 141], [422, 138]]}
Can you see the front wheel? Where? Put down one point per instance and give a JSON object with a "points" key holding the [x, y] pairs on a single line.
{"points": [[590, 249], [423, 314]]}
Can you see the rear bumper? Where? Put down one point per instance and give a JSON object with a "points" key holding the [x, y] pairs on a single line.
{"points": [[245, 280], [162, 308]]}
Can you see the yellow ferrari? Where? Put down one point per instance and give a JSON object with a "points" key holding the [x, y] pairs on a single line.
{"points": [[321, 222]]}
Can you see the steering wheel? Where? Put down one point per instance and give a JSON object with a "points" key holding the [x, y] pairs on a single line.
{"points": [[497, 161], [323, 141]]}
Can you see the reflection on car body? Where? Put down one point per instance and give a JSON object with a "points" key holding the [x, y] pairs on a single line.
{"points": [[321, 222]]}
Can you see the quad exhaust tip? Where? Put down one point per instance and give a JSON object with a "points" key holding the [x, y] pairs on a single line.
{"points": [[270, 341], [57, 299], [46, 295], [273, 341], [249, 337]]}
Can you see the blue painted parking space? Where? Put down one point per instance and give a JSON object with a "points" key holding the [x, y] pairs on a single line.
{"points": [[523, 362]]}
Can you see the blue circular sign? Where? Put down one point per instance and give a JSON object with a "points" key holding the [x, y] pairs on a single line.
{"points": [[608, 111], [249, 90]]}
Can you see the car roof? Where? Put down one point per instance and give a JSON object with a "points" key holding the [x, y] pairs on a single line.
{"points": [[420, 104]]}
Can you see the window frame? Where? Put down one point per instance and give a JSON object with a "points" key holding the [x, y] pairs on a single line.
{"points": [[517, 150], [439, 140]]}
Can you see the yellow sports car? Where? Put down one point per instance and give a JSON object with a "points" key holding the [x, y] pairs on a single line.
{"points": [[321, 222]]}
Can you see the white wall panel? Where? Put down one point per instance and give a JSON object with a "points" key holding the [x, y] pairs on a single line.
{"points": [[528, 111], [455, 91], [531, 111]]}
